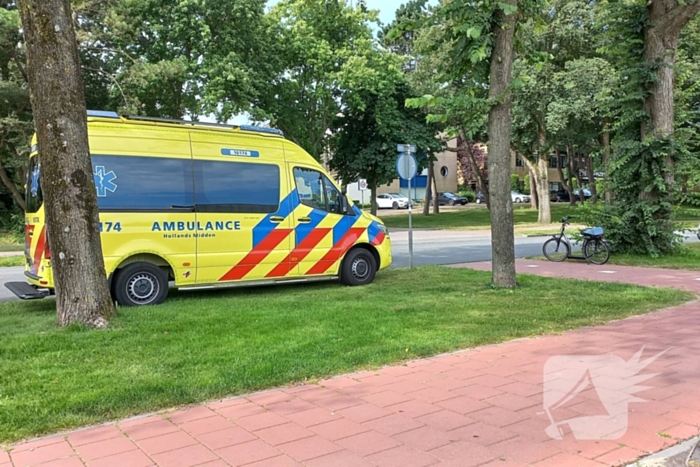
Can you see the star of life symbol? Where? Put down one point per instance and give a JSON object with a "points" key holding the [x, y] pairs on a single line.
{"points": [[104, 181], [604, 378], [35, 181]]}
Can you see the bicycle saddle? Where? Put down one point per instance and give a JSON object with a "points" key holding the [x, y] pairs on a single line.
{"points": [[594, 232]]}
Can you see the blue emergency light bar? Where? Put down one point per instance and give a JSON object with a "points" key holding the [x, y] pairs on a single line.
{"points": [[102, 114], [260, 129]]}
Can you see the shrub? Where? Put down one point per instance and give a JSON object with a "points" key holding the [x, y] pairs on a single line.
{"points": [[514, 182], [469, 194]]}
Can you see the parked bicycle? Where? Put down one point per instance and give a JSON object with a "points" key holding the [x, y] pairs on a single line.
{"points": [[594, 248]]}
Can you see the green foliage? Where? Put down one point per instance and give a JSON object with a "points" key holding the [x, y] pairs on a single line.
{"points": [[375, 120], [637, 229], [469, 194], [526, 184], [514, 182]]}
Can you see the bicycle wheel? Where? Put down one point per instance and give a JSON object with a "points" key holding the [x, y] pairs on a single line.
{"points": [[596, 251], [555, 250]]}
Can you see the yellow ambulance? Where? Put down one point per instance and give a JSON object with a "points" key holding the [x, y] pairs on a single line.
{"points": [[202, 205]]}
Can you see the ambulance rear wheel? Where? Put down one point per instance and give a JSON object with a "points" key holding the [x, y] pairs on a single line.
{"points": [[140, 284], [359, 268]]}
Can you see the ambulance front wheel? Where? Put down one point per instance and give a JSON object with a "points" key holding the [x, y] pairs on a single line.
{"points": [[140, 284], [359, 268]]}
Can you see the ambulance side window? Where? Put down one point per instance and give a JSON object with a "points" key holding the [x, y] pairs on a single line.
{"points": [[316, 191]]}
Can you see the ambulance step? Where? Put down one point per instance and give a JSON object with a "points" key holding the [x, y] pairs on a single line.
{"points": [[26, 291]]}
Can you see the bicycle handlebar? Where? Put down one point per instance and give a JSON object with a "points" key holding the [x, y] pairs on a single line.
{"points": [[566, 219]]}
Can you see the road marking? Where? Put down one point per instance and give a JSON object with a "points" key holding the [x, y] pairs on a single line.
{"points": [[535, 266], [608, 272]]}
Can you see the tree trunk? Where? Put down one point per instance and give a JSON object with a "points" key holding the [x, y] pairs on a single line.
{"points": [[480, 178], [533, 189], [579, 164], [70, 198], [436, 205], [590, 171], [544, 210], [571, 168], [10, 185], [428, 190], [605, 141], [666, 20], [534, 181], [373, 201], [499, 128]]}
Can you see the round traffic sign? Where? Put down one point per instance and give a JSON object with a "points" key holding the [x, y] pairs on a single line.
{"points": [[406, 166], [363, 184]]}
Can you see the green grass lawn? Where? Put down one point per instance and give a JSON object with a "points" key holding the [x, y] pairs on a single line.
{"points": [[204, 345], [687, 258], [474, 219]]}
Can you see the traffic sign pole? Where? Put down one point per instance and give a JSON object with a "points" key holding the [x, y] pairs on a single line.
{"points": [[407, 167]]}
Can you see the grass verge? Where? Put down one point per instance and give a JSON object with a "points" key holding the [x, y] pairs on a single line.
{"points": [[687, 258], [9, 261], [200, 346], [474, 219]]}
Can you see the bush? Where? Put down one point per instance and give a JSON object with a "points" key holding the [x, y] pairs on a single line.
{"points": [[469, 194], [635, 229], [514, 182], [526, 184]]}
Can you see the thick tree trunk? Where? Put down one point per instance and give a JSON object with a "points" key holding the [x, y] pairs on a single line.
{"points": [[499, 128], [666, 20], [70, 198], [579, 164], [428, 190]]}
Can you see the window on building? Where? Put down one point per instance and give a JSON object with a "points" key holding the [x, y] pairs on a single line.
{"points": [[518, 161], [126, 183], [444, 171], [562, 162], [552, 162], [236, 187]]}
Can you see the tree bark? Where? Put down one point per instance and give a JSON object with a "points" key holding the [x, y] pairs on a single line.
{"points": [[10, 185], [579, 164], [436, 205], [480, 178], [590, 171], [544, 209], [533, 189], [428, 190], [373, 201], [666, 20], [499, 128], [70, 198], [605, 141], [571, 168]]}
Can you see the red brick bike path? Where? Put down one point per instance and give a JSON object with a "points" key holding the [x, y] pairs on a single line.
{"points": [[482, 406]]}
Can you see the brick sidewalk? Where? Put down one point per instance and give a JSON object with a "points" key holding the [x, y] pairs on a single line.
{"points": [[476, 407]]}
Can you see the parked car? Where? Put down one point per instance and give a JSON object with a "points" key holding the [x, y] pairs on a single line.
{"points": [[451, 199], [561, 196], [480, 198], [519, 197], [586, 193], [392, 201]]}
